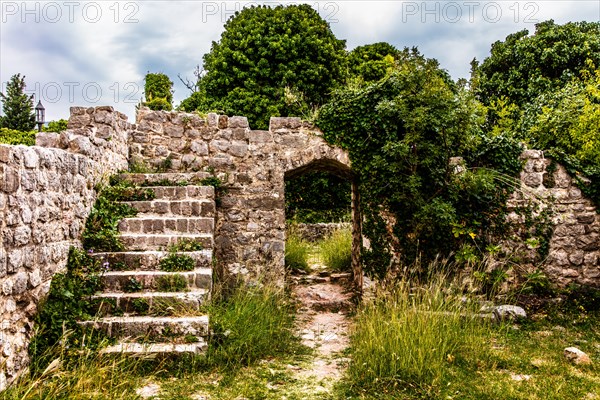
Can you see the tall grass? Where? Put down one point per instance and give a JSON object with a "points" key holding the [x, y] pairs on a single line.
{"points": [[80, 373], [296, 252], [251, 324], [336, 250], [409, 335]]}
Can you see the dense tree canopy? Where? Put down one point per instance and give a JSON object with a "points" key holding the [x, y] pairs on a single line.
{"points": [[372, 62], [544, 90], [158, 90], [270, 62], [17, 106], [401, 132], [524, 67]]}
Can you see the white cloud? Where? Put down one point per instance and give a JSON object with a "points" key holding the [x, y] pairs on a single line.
{"points": [[111, 45]]}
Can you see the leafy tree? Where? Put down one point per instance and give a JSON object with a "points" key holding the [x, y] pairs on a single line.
{"points": [[269, 62], [158, 89], [17, 106], [401, 132], [372, 61], [524, 67]]}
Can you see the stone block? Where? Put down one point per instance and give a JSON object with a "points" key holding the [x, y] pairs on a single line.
{"points": [[284, 123], [223, 121], [533, 180], [259, 137], [10, 180], [532, 154], [238, 122], [47, 139]]}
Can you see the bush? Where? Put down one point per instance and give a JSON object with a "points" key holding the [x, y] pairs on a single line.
{"points": [[336, 250], [407, 338], [56, 126], [11, 136], [296, 252]]}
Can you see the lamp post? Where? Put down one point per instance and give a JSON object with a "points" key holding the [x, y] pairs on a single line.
{"points": [[40, 112]]}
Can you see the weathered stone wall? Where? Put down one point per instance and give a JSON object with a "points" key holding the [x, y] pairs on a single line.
{"points": [[315, 232], [250, 228], [574, 251], [45, 196]]}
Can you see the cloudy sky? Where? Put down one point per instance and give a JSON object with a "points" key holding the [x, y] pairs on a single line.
{"points": [[97, 52]]}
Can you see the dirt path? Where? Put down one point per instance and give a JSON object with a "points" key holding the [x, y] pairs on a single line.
{"points": [[322, 322]]}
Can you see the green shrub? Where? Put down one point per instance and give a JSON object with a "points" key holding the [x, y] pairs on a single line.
{"points": [[125, 191], [296, 252], [67, 302], [101, 228], [336, 250], [407, 338], [250, 325], [11, 136]]}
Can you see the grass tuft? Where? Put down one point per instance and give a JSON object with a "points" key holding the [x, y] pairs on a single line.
{"points": [[409, 335], [250, 325], [336, 250]]}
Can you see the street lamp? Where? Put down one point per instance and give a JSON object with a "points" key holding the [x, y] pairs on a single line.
{"points": [[40, 112]]}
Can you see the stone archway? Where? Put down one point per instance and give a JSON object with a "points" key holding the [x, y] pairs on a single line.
{"points": [[316, 155]]}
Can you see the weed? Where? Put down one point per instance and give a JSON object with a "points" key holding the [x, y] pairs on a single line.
{"points": [[101, 227], [140, 306], [125, 191], [336, 250], [185, 245], [175, 262], [172, 283], [68, 301], [133, 285], [139, 167], [165, 164]]}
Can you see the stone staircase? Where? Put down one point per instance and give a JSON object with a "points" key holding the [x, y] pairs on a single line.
{"points": [[154, 290]]}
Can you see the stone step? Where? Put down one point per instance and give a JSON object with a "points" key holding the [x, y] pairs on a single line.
{"points": [[167, 225], [144, 242], [193, 192], [116, 281], [155, 349], [150, 303], [165, 178], [149, 260], [151, 328], [186, 208]]}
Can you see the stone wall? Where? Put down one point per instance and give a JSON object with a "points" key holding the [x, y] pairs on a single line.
{"points": [[250, 228], [574, 253], [45, 196], [315, 232]]}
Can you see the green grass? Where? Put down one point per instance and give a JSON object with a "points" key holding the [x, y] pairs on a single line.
{"points": [[79, 373], [414, 342], [405, 340], [336, 250], [296, 252], [251, 324]]}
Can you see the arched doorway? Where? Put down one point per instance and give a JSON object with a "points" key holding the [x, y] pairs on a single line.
{"points": [[343, 171]]}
